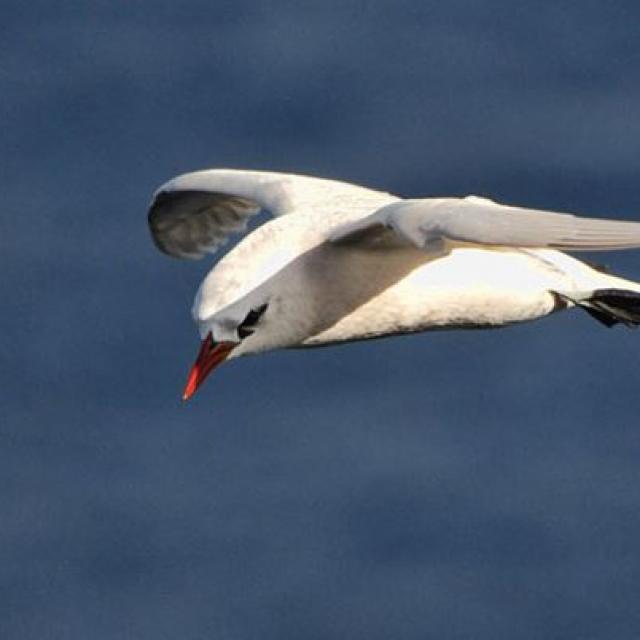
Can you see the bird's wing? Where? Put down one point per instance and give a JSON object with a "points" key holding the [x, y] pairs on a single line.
{"points": [[195, 213], [430, 223]]}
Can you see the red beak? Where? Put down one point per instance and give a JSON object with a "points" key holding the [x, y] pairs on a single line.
{"points": [[209, 357]]}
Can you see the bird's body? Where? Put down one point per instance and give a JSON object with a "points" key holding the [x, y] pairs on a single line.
{"points": [[339, 293], [345, 263]]}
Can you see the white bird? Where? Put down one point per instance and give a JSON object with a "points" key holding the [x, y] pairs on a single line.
{"points": [[340, 262]]}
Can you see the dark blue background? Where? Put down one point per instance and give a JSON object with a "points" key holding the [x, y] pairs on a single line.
{"points": [[452, 485]]}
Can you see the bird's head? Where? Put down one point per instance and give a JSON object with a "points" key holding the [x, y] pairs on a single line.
{"points": [[262, 320], [239, 329]]}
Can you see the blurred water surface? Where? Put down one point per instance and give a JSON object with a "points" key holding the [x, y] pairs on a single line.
{"points": [[449, 485]]}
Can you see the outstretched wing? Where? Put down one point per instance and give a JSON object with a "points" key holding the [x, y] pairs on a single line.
{"points": [[195, 213], [429, 223]]}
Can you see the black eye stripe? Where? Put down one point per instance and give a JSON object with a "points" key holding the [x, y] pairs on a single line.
{"points": [[245, 328], [253, 316], [243, 332]]}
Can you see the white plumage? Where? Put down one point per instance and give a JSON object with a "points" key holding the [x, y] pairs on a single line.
{"points": [[341, 262]]}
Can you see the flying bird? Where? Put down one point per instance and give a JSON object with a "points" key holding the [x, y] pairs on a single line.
{"points": [[340, 262]]}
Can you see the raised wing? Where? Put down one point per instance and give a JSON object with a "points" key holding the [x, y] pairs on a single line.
{"points": [[195, 213], [430, 223]]}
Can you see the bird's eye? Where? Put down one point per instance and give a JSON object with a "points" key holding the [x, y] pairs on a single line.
{"points": [[247, 326]]}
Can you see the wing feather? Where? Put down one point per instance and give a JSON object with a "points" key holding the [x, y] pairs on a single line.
{"points": [[474, 220], [196, 213]]}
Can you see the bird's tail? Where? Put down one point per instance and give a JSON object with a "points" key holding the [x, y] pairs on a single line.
{"points": [[610, 306], [613, 306], [608, 298]]}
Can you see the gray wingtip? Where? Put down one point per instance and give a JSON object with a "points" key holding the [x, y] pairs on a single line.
{"points": [[157, 219], [191, 223], [165, 222]]}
